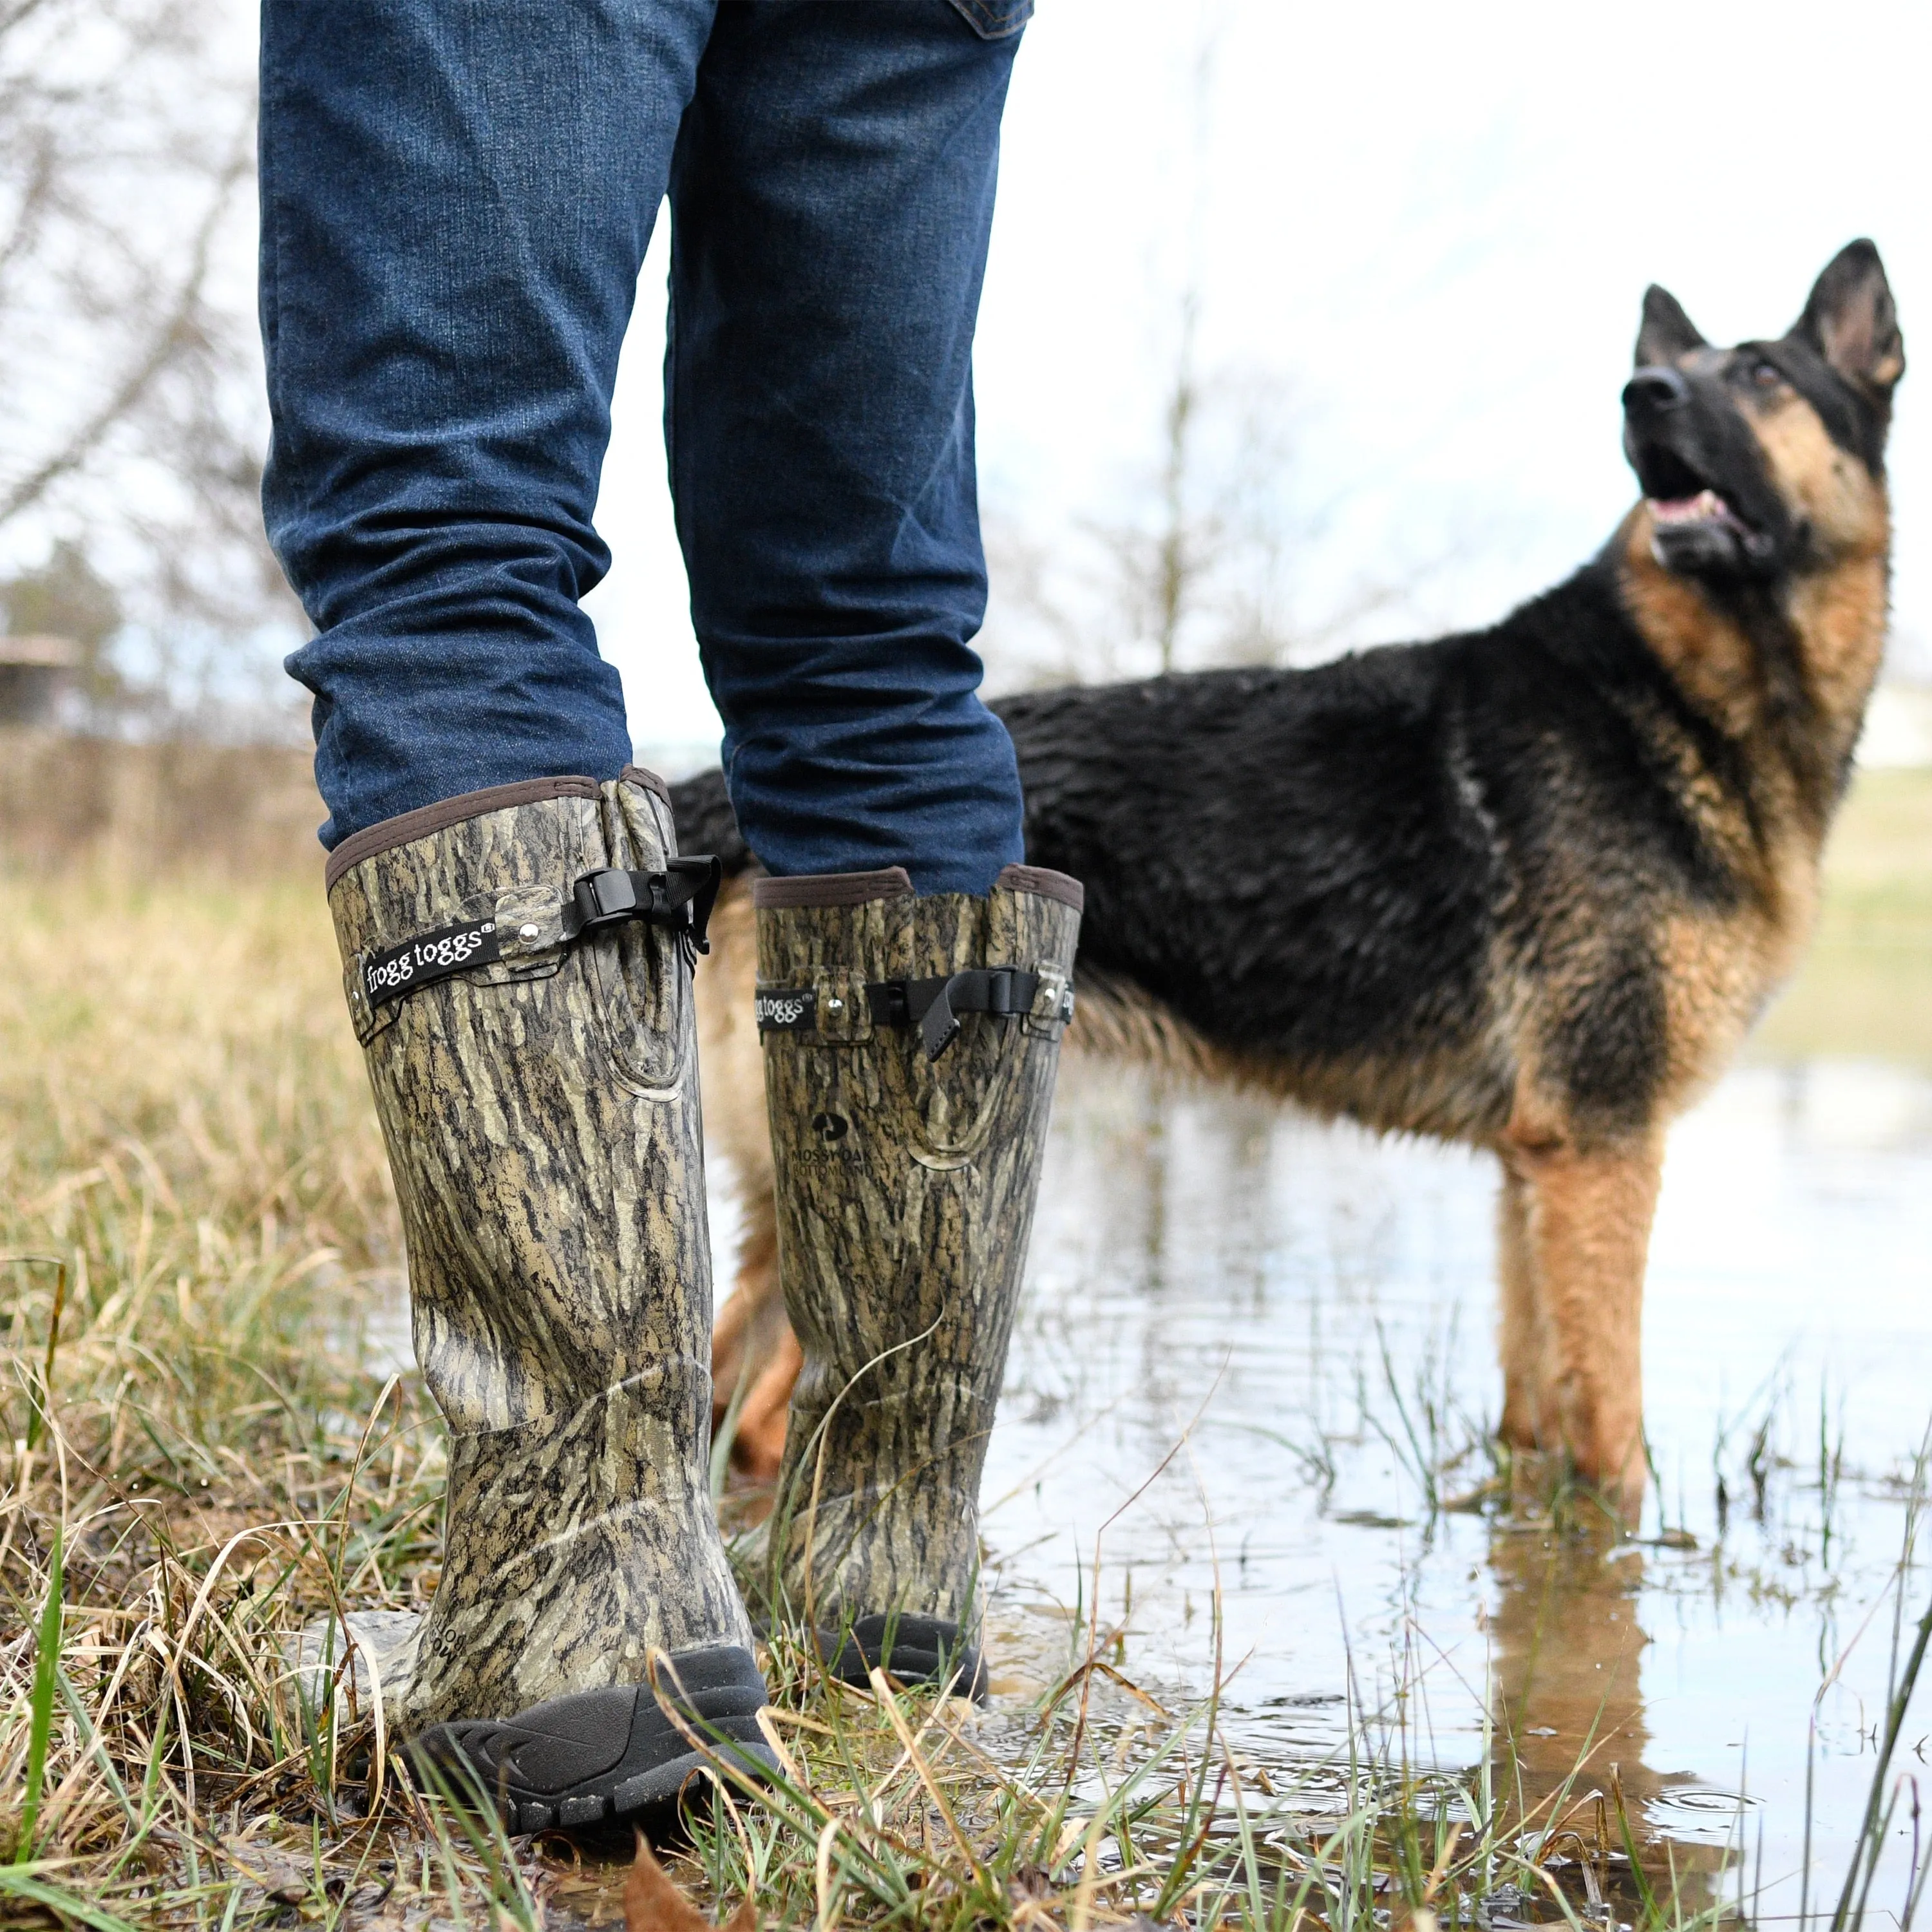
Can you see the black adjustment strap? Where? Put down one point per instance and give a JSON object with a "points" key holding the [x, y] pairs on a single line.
{"points": [[933, 1005], [678, 899]]}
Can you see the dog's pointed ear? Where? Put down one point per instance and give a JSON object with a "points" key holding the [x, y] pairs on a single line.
{"points": [[1852, 322], [1666, 332]]}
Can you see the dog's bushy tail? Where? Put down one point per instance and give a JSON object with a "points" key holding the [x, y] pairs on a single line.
{"points": [[706, 823]]}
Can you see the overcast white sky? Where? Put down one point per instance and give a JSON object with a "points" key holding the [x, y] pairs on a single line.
{"points": [[1430, 227]]}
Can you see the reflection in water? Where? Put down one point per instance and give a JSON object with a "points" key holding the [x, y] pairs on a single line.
{"points": [[1569, 1700], [1291, 1324], [1571, 1734]]}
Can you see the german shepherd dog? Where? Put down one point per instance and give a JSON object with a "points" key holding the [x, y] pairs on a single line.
{"points": [[1526, 888]]}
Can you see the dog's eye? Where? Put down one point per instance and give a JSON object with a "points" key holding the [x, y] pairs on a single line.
{"points": [[1766, 375]]}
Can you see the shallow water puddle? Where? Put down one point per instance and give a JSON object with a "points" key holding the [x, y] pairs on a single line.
{"points": [[1252, 1347]]}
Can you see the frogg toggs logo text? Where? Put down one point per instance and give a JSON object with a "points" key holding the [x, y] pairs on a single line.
{"points": [[421, 962]]}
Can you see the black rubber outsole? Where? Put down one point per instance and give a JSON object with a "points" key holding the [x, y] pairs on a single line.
{"points": [[909, 1649], [598, 1757]]}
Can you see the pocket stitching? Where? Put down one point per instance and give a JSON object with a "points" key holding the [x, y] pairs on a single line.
{"points": [[992, 21]]}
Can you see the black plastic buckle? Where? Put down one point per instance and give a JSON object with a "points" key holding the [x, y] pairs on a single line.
{"points": [[999, 993], [680, 898], [932, 1006], [608, 897]]}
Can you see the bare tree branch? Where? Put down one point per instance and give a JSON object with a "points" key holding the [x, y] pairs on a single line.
{"points": [[130, 373], [169, 332]]}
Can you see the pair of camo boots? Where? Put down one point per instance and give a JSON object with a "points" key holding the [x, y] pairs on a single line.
{"points": [[518, 964]]}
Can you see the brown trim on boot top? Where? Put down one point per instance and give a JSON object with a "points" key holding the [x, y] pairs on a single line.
{"points": [[831, 889], [1049, 885], [406, 827], [642, 775]]}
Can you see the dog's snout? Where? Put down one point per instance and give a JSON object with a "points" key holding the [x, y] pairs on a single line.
{"points": [[1651, 392]]}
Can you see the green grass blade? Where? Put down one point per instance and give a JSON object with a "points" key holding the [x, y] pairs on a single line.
{"points": [[15, 1883], [46, 1666]]}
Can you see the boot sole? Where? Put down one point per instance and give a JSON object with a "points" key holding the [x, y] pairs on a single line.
{"points": [[595, 1757], [912, 1649]]}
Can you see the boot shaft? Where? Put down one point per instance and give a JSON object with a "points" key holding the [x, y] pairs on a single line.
{"points": [[540, 1108], [531, 1051], [906, 1180]]}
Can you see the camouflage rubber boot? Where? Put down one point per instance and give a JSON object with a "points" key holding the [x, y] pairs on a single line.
{"points": [[518, 966], [910, 1046]]}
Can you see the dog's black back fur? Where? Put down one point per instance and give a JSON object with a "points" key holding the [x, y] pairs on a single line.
{"points": [[1328, 860]]}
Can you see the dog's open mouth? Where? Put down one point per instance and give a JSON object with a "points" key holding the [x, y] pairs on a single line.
{"points": [[1680, 500], [1706, 507], [1696, 527]]}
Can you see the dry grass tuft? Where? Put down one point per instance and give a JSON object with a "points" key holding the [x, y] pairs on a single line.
{"points": [[195, 1231]]}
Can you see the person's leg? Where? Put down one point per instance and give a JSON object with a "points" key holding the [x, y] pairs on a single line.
{"points": [[831, 196], [531, 1052], [456, 196], [455, 200], [911, 1044]]}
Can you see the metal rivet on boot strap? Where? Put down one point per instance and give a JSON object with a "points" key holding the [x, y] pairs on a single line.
{"points": [[529, 934]]}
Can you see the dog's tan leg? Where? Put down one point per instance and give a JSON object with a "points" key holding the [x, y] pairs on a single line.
{"points": [[1519, 1339], [752, 1341], [740, 1337], [758, 1448], [1585, 1237]]}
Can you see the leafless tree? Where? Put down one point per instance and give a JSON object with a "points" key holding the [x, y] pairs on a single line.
{"points": [[1209, 558], [1225, 548], [128, 376]]}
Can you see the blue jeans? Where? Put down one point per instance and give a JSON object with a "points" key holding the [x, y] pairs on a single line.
{"points": [[456, 198]]}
